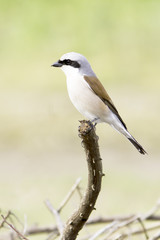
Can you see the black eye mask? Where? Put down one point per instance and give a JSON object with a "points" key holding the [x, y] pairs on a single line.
{"points": [[69, 62]]}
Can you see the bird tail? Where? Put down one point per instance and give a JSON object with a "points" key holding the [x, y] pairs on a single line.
{"points": [[132, 139], [123, 129], [137, 145]]}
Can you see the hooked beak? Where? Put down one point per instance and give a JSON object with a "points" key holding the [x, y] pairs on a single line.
{"points": [[57, 64]]}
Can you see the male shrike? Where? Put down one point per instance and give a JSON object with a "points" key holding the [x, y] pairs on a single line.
{"points": [[89, 96]]}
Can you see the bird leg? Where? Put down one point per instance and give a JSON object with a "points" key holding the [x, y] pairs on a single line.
{"points": [[94, 121]]}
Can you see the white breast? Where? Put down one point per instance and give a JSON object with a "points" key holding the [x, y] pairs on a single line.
{"points": [[84, 99]]}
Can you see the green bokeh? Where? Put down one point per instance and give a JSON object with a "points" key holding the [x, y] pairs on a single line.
{"points": [[40, 153]]}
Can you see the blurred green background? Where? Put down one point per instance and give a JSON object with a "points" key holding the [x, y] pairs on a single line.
{"points": [[40, 152]]}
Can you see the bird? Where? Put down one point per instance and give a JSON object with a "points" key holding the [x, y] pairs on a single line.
{"points": [[89, 96]]}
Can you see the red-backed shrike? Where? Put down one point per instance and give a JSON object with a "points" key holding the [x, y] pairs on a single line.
{"points": [[89, 96]]}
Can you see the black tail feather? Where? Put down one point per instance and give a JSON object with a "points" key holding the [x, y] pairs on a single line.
{"points": [[137, 145]]}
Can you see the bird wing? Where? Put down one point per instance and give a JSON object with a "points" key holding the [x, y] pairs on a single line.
{"points": [[100, 91]]}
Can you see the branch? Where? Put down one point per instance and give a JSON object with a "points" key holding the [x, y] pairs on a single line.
{"points": [[69, 195], [99, 220], [156, 236], [137, 232], [152, 211], [79, 218], [116, 226], [56, 214], [103, 230], [4, 219], [14, 229]]}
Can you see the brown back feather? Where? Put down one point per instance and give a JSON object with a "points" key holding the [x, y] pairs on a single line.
{"points": [[100, 91]]}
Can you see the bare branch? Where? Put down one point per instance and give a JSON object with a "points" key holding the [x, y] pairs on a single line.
{"points": [[56, 214], [25, 225], [41, 230], [102, 220], [156, 236], [69, 195], [102, 231], [119, 225], [52, 236], [4, 219], [137, 232], [17, 219], [14, 229], [152, 211], [99, 220], [143, 227], [53, 231], [79, 192], [79, 218]]}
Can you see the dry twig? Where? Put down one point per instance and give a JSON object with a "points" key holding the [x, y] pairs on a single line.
{"points": [[156, 236], [14, 229], [4, 219], [56, 214], [69, 195], [103, 230], [143, 227]]}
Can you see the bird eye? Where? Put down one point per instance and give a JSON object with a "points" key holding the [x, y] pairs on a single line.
{"points": [[68, 62]]}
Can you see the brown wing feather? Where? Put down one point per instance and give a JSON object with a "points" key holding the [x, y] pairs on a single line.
{"points": [[100, 91]]}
